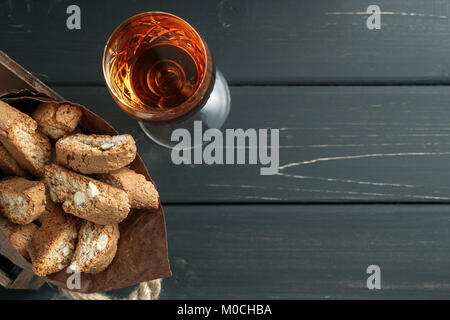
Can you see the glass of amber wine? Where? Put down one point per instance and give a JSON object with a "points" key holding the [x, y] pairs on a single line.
{"points": [[160, 71]]}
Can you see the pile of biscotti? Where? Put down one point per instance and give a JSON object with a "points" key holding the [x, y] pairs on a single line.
{"points": [[64, 192]]}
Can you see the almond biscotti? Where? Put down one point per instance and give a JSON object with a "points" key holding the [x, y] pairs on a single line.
{"points": [[19, 135], [21, 201], [53, 244], [96, 248], [7, 226], [85, 197], [142, 193], [8, 165], [51, 208], [55, 119], [18, 235], [90, 154]]}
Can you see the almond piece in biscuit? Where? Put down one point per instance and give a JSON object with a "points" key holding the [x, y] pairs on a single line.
{"points": [[96, 248], [21, 201], [18, 235], [56, 120], [85, 197], [8, 165], [142, 193], [90, 154], [18, 134], [53, 244]]}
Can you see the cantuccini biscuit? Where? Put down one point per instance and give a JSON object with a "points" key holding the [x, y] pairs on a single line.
{"points": [[53, 244], [141, 193], [55, 119], [8, 165], [18, 134], [86, 197], [21, 201], [18, 235], [68, 218], [96, 248], [90, 154], [51, 208], [7, 226]]}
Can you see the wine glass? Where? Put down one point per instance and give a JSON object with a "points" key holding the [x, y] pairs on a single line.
{"points": [[161, 72]]}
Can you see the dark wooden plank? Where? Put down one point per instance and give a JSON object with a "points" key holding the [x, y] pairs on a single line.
{"points": [[302, 251], [336, 144], [44, 293], [296, 252], [253, 41]]}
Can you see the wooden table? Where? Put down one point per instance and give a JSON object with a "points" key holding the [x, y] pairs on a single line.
{"points": [[364, 143]]}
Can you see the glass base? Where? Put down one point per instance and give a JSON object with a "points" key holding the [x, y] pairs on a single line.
{"points": [[213, 115]]}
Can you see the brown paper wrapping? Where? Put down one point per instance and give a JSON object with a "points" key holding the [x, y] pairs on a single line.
{"points": [[142, 248]]}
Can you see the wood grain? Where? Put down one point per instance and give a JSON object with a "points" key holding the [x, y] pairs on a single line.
{"points": [[376, 144], [28, 280], [253, 41], [301, 252], [4, 279], [293, 252]]}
